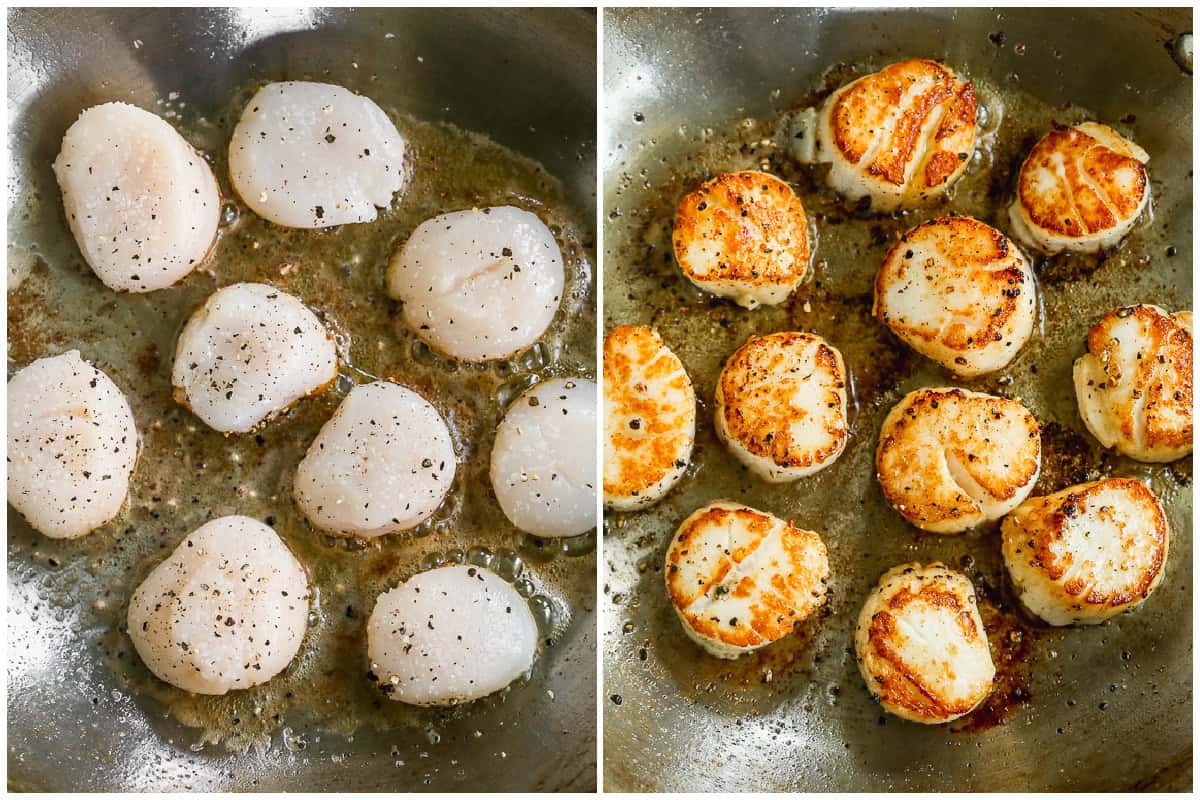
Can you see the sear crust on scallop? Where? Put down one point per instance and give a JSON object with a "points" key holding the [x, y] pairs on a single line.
{"points": [[142, 203], [450, 635], [248, 354], [781, 405], [743, 235], [1087, 553], [740, 579], [921, 645], [901, 136], [1080, 190], [383, 463], [1134, 385], [227, 609], [951, 459], [649, 418], [959, 292], [72, 446]]}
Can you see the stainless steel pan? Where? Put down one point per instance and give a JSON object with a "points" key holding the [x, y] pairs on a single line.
{"points": [[692, 92], [82, 713]]}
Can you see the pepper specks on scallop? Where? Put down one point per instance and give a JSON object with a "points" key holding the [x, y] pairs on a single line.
{"points": [[142, 203], [959, 292], [543, 464], [383, 463], [226, 610], [313, 155], [450, 635], [479, 284], [72, 446], [649, 418], [249, 353]]}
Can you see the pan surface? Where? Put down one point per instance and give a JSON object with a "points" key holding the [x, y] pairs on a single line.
{"points": [[84, 714], [689, 93]]}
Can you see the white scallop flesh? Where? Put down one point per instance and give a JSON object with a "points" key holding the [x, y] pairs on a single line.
{"points": [[383, 463], [450, 635], [72, 445], [544, 459], [227, 610], [142, 203], [313, 155], [249, 353], [479, 284]]}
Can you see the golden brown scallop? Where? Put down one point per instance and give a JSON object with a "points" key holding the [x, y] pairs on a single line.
{"points": [[740, 579], [1134, 385], [781, 405], [649, 418], [743, 235], [901, 136], [959, 292], [1080, 190], [951, 459], [1087, 553], [921, 645]]}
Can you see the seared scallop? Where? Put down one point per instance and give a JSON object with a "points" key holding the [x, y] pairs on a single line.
{"points": [[227, 610], [743, 235], [1087, 553], [450, 635], [950, 459], [544, 459], [383, 463], [249, 353], [1134, 385], [959, 292], [312, 155], [479, 284], [649, 418], [740, 579], [921, 645], [72, 445], [901, 136], [781, 405], [1080, 190], [142, 203]]}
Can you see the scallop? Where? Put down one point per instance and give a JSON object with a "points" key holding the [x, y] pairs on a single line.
{"points": [[1080, 190], [480, 284], [959, 292], [740, 579], [312, 155], [544, 459], [227, 610], [142, 202], [951, 459], [248, 354], [781, 405], [900, 137], [649, 418], [743, 235], [1134, 384], [383, 463], [1087, 553], [450, 635], [72, 446], [921, 645]]}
